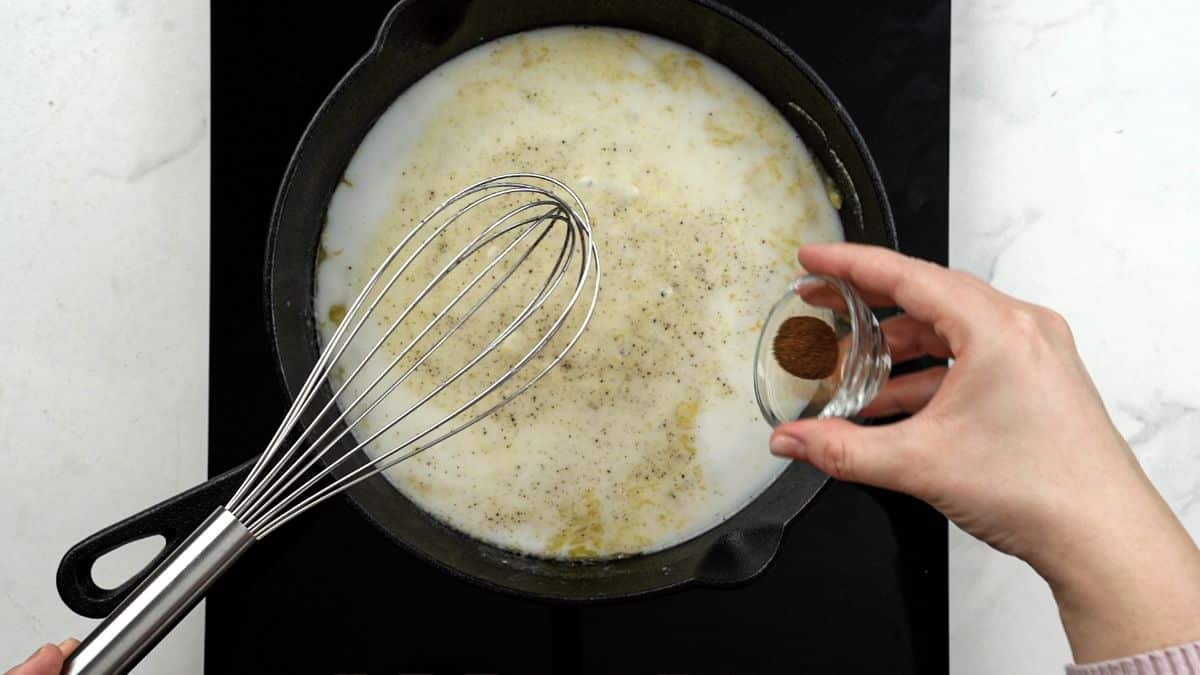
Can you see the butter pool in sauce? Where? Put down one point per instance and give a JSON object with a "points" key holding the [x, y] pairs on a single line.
{"points": [[699, 193]]}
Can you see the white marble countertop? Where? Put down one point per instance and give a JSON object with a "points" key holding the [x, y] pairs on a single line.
{"points": [[1073, 132], [1075, 181], [104, 161]]}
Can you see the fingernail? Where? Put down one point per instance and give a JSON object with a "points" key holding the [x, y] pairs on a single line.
{"points": [[783, 445]]}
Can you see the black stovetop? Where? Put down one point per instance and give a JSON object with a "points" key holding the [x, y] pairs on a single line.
{"points": [[860, 583]]}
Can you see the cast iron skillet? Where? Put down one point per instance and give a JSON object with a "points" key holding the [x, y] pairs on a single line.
{"points": [[416, 37]]}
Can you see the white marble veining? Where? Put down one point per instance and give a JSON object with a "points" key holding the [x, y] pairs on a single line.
{"points": [[1074, 178], [104, 160], [1075, 183]]}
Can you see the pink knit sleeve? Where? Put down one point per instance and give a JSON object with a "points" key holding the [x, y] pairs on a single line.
{"points": [[1181, 660]]}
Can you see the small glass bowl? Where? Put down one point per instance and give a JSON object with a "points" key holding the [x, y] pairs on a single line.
{"points": [[864, 362]]}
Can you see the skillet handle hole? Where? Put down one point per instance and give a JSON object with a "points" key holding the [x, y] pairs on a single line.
{"points": [[123, 563]]}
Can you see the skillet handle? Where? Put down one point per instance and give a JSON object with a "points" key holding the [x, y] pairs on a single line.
{"points": [[174, 519]]}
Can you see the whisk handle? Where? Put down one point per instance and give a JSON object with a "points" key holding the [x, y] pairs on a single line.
{"points": [[162, 600], [173, 519]]}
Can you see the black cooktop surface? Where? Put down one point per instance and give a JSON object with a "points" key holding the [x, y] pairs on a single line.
{"points": [[859, 585]]}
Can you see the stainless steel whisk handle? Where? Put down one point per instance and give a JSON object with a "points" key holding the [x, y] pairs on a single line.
{"points": [[163, 599]]}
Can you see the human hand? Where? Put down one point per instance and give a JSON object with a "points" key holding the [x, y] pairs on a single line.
{"points": [[47, 660], [1014, 445]]}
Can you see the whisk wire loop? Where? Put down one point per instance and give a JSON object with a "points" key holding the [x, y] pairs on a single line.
{"points": [[314, 450], [287, 481], [317, 450]]}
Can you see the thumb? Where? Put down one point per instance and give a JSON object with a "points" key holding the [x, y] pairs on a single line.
{"points": [[876, 456], [47, 660]]}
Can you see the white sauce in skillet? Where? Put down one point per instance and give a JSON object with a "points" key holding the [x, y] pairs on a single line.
{"points": [[699, 193]]}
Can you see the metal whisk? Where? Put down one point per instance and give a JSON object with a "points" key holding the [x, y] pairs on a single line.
{"points": [[506, 219]]}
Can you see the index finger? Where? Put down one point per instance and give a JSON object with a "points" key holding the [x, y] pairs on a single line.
{"points": [[952, 303]]}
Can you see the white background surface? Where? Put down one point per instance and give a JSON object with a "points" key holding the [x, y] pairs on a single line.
{"points": [[1074, 183], [104, 159]]}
